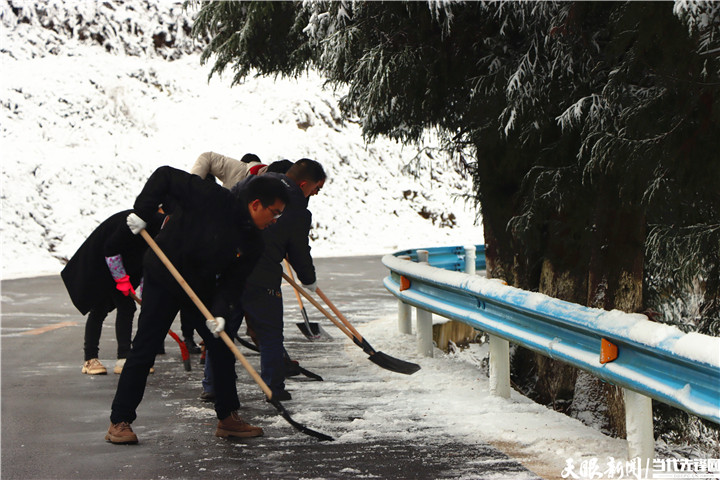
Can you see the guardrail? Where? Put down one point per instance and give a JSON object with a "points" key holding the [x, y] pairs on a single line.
{"points": [[448, 258], [653, 360]]}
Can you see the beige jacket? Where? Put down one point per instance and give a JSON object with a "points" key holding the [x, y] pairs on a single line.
{"points": [[228, 170]]}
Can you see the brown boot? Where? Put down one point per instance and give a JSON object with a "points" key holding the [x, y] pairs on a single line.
{"points": [[121, 433], [234, 426]]}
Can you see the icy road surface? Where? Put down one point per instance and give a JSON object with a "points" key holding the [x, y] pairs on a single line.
{"points": [[438, 423]]}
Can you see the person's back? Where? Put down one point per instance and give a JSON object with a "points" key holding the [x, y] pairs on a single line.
{"points": [[86, 275], [98, 278], [228, 170], [209, 232]]}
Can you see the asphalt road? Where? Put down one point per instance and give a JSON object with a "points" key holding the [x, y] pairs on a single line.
{"points": [[54, 418]]}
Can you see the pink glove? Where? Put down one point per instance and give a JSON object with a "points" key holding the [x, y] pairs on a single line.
{"points": [[124, 285]]}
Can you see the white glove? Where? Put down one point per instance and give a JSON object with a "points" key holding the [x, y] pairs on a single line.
{"points": [[312, 287], [135, 223], [216, 326]]}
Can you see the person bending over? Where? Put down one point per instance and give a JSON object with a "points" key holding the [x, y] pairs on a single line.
{"points": [[213, 238]]}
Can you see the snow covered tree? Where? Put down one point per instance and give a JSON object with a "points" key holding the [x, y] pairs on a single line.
{"points": [[589, 129]]}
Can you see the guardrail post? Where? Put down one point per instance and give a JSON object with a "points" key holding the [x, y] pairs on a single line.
{"points": [[404, 312], [404, 317], [639, 427], [424, 319], [499, 366], [470, 259]]}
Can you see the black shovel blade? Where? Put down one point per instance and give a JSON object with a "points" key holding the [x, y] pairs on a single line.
{"points": [[298, 426], [311, 330], [310, 374], [393, 364], [386, 361]]}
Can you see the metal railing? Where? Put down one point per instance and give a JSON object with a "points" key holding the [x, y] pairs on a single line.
{"points": [[653, 360], [447, 258]]}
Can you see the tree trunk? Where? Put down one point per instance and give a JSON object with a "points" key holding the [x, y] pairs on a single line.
{"points": [[710, 308], [498, 185], [615, 277], [563, 276]]}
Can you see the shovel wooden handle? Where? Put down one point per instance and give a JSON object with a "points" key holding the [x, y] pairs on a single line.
{"points": [[317, 305], [342, 318], [206, 313], [290, 272]]}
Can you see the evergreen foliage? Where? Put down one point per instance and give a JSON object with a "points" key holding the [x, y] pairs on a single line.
{"points": [[560, 104]]}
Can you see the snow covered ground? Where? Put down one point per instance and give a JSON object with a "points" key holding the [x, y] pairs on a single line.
{"points": [[83, 128]]}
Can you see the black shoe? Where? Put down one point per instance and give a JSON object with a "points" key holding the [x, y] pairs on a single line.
{"points": [[282, 395], [207, 396], [192, 347]]}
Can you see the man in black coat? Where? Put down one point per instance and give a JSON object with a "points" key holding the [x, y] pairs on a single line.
{"points": [[99, 277], [213, 239], [262, 298]]}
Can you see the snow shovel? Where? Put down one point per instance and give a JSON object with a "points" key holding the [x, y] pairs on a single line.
{"points": [[312, 330], [183, 348], [254, 348], [230, 344], [246, 344], [379, 358]]}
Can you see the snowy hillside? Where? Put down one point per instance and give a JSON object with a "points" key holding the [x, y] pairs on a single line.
{"points": [[95, 96]]}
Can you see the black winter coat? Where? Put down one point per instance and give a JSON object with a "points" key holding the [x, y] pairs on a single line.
{"points": [[87, 277], [287, 237], [210, 237]]}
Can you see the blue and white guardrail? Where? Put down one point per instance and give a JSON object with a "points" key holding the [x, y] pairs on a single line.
{"points": [[653, 359]]}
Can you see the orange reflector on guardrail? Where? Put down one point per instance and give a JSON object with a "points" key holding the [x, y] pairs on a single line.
{"points": [[404, 283], [608, 351]]}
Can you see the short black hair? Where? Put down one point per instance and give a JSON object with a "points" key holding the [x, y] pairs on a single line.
{"points": [[307, 170], [249, 158], [266, 189], [281, 166]]}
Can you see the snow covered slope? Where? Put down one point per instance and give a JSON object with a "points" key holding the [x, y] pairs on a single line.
{"points": [[96, 95]]}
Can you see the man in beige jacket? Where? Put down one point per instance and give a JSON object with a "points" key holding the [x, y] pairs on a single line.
{"points": [[228, 170]]}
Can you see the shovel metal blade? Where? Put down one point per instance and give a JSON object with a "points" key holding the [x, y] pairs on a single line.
{"points": [[393, 364], [313, 331], [298, 426]]}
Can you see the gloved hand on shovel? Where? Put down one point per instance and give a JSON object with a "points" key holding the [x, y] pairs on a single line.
{"points": [[216, 326], [124, 285], [135, 223], [312, 287]]}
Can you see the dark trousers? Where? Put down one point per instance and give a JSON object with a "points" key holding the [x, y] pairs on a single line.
{"points": [[264, 313], [233, 320], [160, 306], [186, 323], [123, 325]]}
